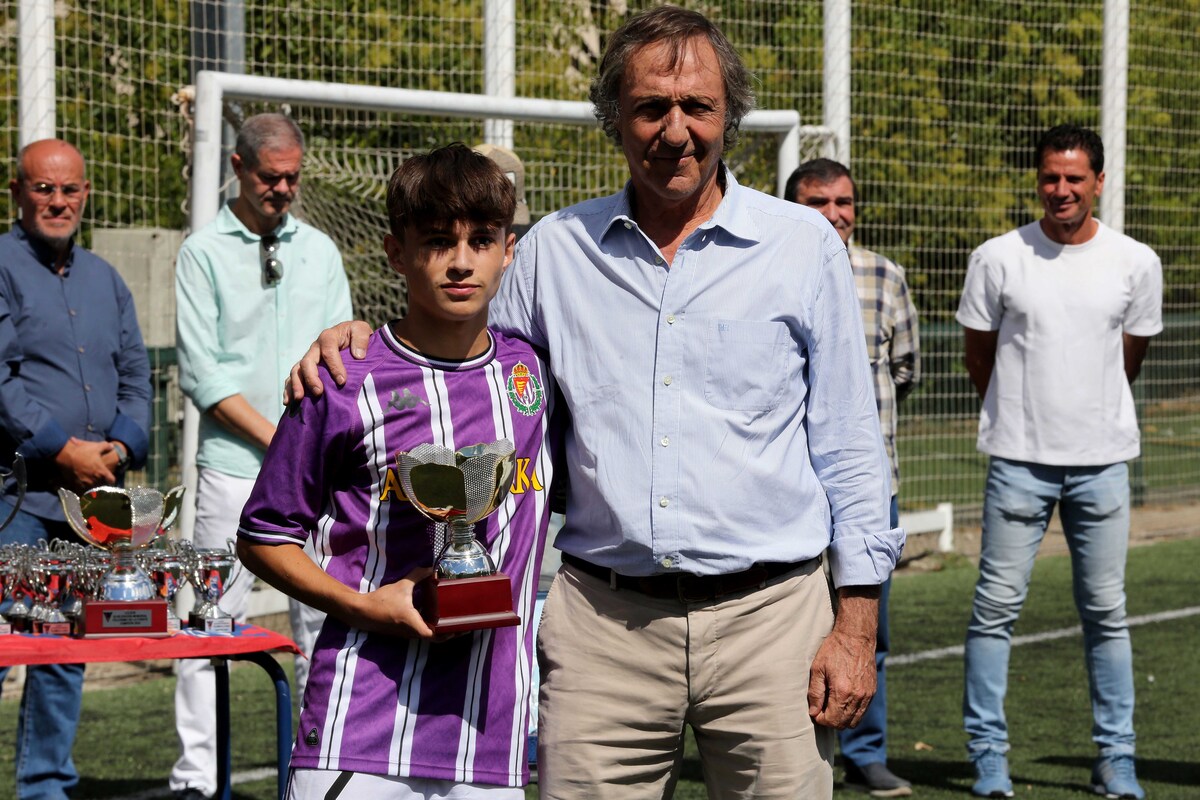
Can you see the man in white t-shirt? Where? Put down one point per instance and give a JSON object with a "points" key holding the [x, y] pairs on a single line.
{"points": [[1057, 315]]}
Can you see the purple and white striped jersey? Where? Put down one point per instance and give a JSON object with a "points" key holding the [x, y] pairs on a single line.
{"points": [[455, 710]]}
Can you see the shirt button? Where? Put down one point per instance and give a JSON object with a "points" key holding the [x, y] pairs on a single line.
{"points": [[665, 441], [628, 226], [670, 319], [90, 428], [72, 312], [662, 501], [667, 380], [658, 259], [667, 563], [81, 348], [87, 387]]}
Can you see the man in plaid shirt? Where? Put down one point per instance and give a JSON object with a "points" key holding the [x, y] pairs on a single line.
{"points": [[890, 322]]}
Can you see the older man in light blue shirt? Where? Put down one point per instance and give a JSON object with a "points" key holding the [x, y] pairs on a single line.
{"points": [[719, 419], [252, 288], [708, 341]]}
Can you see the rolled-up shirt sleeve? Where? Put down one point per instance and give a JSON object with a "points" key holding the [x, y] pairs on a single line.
{"points": [[196, 315], [845, 443]]}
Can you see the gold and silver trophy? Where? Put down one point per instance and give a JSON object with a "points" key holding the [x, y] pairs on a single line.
{"points": [[458, 489], [123, 521]]}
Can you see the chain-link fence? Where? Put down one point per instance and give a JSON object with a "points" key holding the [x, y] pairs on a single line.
{"points": [[947, 101]]}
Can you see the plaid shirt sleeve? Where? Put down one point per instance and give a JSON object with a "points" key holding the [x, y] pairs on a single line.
{"points": [[893, 344]]}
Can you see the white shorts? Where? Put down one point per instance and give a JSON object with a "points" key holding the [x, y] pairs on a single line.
{"points": [[329, 784]]}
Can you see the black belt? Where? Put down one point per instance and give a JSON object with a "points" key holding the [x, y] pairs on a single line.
{"points": [[688, 588]]}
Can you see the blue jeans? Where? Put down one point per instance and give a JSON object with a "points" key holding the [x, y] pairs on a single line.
{"points": [[867, 742], [1094, 508], [50, 705]]}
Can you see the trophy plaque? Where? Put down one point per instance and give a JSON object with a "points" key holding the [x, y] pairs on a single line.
{"points": [[458, 489], [122, 521]]}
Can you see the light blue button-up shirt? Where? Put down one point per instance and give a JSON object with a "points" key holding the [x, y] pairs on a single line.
{"points": [[722, 406], [237, 335]]}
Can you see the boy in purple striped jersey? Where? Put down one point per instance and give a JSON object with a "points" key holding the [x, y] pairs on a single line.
{"points": [[390, 711]]}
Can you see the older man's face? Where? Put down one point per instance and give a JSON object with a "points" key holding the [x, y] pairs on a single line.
{"points": [[672, 120], [835, 201], [53, 193], [269, 187]]}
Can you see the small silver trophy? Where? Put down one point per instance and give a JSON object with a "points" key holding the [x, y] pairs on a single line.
{"points": [[123, 521], [209, 571], [458, 489], [14, 578], [167, 570], [49, 574], [18, 610]]}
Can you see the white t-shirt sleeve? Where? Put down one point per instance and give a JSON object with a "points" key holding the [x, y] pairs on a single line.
{"points": [[980, 307], [1143, 317]]}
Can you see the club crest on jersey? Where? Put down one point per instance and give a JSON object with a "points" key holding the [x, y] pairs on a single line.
{"points": [[525, 390]]}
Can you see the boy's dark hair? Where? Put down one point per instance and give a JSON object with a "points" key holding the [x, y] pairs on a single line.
{"points": [[1071, 137], [446, 185], [822, 170]]}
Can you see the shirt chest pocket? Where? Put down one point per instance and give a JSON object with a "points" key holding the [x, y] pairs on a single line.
{"points": [[745, 364]]}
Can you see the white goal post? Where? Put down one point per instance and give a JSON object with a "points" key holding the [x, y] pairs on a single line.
{"points": [[214, 89]]}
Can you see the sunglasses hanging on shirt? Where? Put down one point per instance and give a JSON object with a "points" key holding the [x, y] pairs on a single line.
{"points": [[272, 266]]}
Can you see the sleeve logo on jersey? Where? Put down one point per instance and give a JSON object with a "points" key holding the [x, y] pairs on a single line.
{"points": [[525, 390], [525, 479]]}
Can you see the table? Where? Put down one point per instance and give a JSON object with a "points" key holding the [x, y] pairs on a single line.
{"points": [[246, 643]]}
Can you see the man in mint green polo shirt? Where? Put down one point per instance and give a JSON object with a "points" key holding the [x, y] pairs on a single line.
{"points": [[252, 288]]}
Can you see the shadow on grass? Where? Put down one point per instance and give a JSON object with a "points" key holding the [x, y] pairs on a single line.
{"points": [[118, 787], [952, 775], [1158, 770]]}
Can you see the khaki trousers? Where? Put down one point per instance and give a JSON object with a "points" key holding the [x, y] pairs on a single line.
{"points": [[623, 673]]}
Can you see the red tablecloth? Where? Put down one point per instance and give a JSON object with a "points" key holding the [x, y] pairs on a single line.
{"points": [[23, 648]]}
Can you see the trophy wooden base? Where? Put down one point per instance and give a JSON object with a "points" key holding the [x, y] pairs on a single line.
{"points": [[105, 619], [468, 604]]}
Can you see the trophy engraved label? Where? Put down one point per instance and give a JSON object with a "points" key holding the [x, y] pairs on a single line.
{"points": [[209, 571], [122, 521], [459, 489]]}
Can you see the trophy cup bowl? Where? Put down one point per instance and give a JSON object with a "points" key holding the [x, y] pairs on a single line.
{"points": [[123, 521], [458, 489], [209, 571]]}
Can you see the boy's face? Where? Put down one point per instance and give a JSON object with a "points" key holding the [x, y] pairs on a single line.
{"points": [[453, 269]]}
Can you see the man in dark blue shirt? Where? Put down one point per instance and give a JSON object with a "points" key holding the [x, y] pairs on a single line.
{"points": [[74, 401]]}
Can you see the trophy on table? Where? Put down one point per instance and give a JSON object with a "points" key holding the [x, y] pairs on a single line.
{"points": [[123, 521], [51, 573], [458, 489], [168, 571], [209, 571], [18, 611]]}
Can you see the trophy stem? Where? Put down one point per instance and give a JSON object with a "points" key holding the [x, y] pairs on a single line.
{"points": [[462, 533], [125, 580]]}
